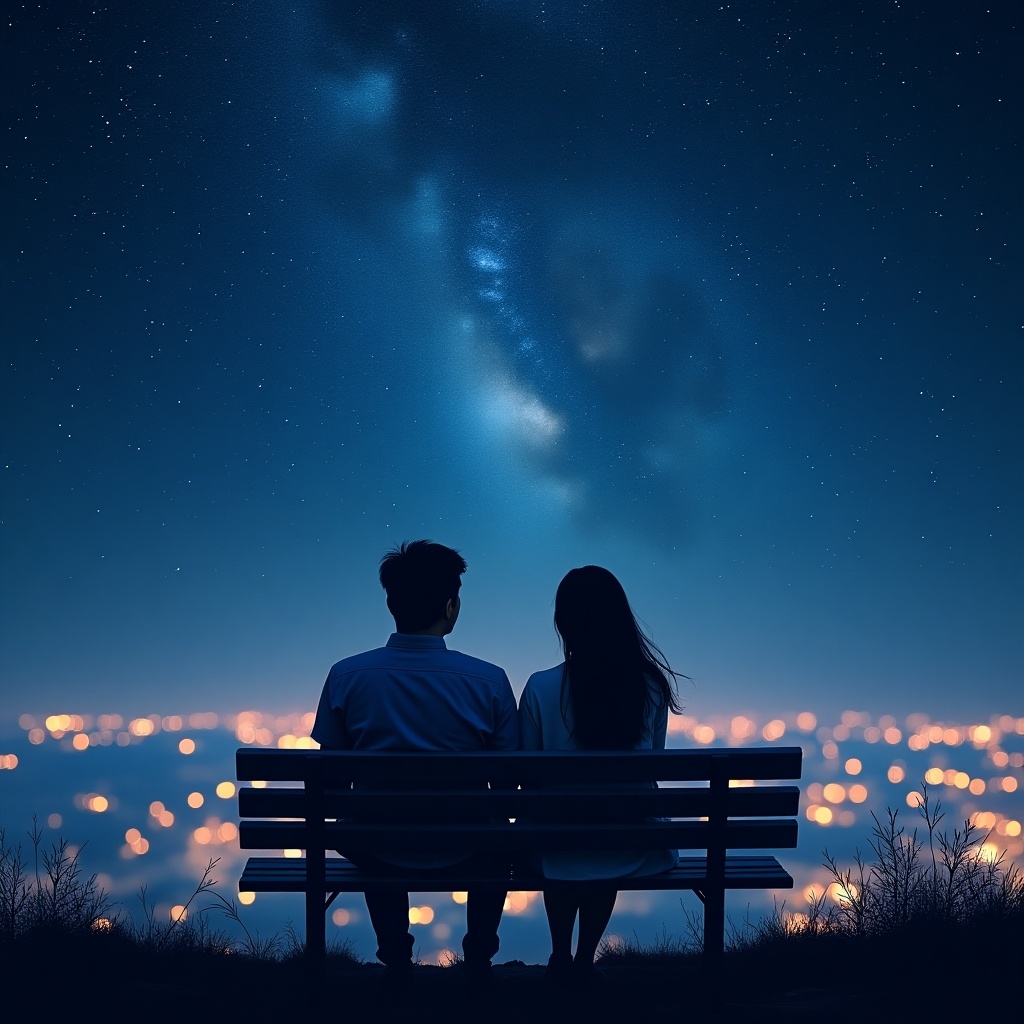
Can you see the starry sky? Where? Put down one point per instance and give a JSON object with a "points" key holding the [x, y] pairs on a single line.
{"points": [[725, 297]]}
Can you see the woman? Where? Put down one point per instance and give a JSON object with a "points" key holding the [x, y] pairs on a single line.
{"points": [[613, 691]]}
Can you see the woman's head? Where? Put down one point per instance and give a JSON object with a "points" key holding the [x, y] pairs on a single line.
{"points": [[614, 675], [592, 611]]}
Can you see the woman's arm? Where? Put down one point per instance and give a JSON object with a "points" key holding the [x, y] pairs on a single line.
{"points": [[530, 736]]}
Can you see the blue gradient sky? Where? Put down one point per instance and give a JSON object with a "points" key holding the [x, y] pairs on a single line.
{"points": [[724, 297]]}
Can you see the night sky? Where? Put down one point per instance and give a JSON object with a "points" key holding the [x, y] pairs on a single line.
{"points": [[725, 297]]}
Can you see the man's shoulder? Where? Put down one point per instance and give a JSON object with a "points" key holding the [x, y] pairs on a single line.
{"points": [[466, 663], [365, 659]]}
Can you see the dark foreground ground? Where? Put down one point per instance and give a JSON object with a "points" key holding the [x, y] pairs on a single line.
{"points": [[933, 978]]}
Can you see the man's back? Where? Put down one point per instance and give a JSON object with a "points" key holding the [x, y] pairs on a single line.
{"points": [[415, 694]]}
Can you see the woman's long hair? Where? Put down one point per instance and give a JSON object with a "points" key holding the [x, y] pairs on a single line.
{"points": [[614, 675]]}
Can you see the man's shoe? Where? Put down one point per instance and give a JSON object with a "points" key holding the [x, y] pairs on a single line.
{"points": [[478, 975], [559, 969], [397, 978]]}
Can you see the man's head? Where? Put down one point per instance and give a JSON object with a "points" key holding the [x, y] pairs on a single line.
{"points": [[422, 582]]}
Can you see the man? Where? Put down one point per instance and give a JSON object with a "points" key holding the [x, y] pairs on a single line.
{"points": [[415, 694]]}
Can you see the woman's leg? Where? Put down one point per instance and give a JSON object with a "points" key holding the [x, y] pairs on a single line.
{"points": [[595, 913], [561, 910]]}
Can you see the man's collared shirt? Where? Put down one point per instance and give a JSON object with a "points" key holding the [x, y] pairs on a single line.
{"points": [[415, 694]]}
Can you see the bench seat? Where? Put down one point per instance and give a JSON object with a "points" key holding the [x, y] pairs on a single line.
{"points": [[288, 874]]}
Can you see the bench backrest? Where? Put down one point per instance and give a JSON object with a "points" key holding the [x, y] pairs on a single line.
{"points": [[439, 800]]}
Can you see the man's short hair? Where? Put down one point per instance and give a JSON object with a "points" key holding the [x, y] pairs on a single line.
{"points": [[420, 578]]}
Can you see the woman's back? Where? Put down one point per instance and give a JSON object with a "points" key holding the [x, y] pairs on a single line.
{"points": [[546, 723]]}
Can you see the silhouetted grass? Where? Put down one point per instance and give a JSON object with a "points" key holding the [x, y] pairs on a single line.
{"points": [[886, 922]]}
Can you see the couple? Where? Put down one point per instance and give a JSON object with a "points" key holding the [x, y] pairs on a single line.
{"points": [[613, 692]]}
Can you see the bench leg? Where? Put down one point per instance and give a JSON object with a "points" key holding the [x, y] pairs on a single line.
{"points": [[714, 923], [316, 934]]}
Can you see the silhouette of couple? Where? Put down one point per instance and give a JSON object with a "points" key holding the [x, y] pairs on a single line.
{"points": [[613, 691]]}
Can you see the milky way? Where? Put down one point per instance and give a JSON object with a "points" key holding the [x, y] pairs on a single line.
{"points": [[722, 296]]}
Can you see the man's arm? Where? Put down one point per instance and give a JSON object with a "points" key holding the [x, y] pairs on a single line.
{"points": [[506, 719], [328, 729]]}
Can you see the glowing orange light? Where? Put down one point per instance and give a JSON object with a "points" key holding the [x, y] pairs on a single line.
{"points": [[179, 912], [225, 790], [858, 793], [156, 808], [742, 728], [933, 776], [97, 803], [460, 897], [834, 793], [961, 780], [704, 734], [421, 915], [248, 898], [853, 766], [892, 735], [80, 742], [823, 815], [977, 787], [202, 835], [227, 832], [830, 751], [341, 917], [1013, 828], [896, 773], [914, 799], [187, 746], [1009, 784], [516, 902], [132, 835], [806, 721], [165, 818], [195, 800], [872, 734], [36, 736]]}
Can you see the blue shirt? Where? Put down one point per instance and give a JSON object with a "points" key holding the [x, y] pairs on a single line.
{"points": [[415, 694]]}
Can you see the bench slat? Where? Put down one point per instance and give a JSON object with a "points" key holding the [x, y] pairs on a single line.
{"points": [[279, 874], [547, 804], [753, 834], [340, 767]]}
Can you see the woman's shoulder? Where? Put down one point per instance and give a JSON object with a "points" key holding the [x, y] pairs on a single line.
{"points": [[545, 679]]}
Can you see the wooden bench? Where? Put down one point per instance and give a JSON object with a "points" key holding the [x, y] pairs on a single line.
{"points": [[438, 802]]}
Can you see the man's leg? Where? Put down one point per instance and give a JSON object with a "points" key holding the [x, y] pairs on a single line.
{"points": [[389, 915], [483, 914]]}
